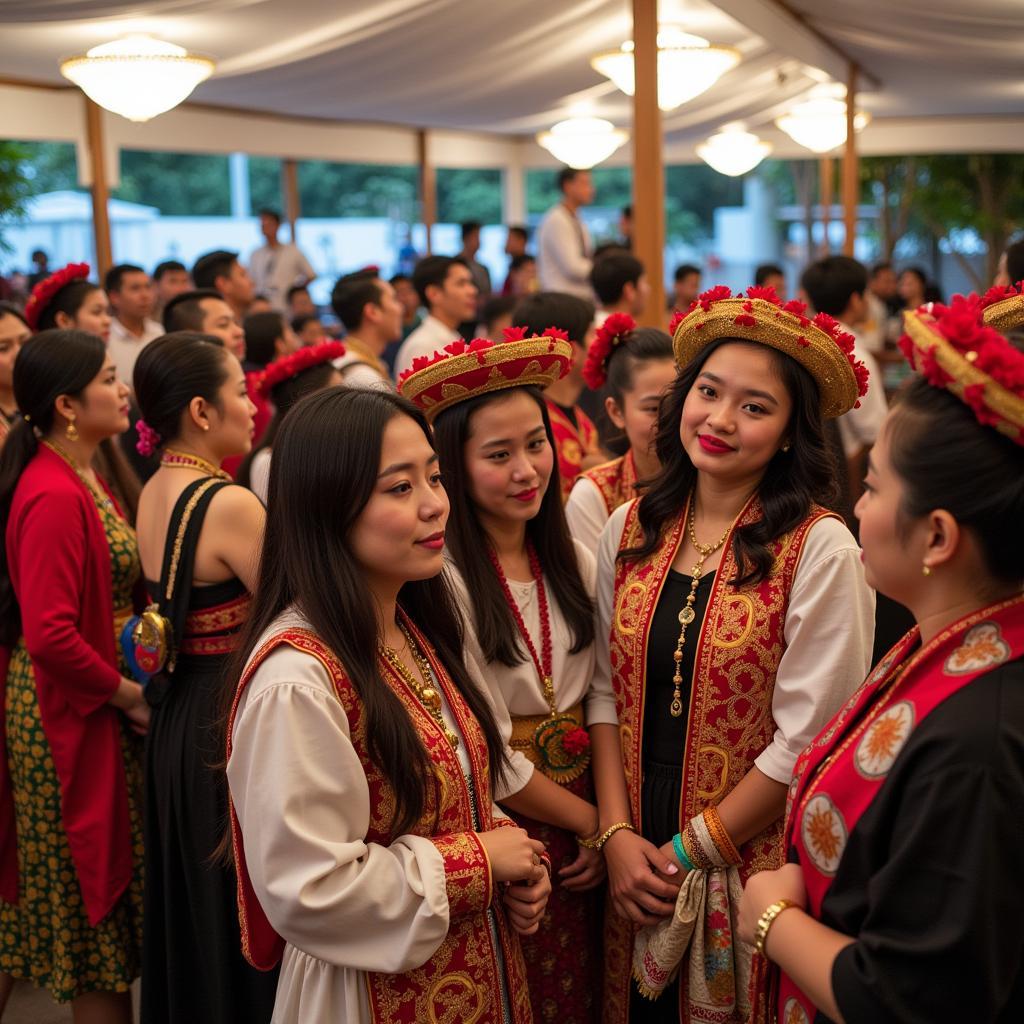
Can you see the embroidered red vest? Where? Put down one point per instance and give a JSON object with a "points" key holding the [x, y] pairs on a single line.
{"points": [[730, 721], [616, 480], [838, 776], [573, 444], [462, 980]]}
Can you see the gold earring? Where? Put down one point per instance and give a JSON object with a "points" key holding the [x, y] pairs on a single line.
{"points": [[71, 431], [786, 447], [926, 570]]}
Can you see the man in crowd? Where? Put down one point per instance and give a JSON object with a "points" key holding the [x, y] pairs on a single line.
{"points": [[626, 227], [132, 327], [268, 336], [515, 249], [300, 302], [685, 286], [620, 285], [1011, 265], [884, 286], [372, 315], [308, 328], [41, 262], [170, 278], [445, 287], [771, 275], [564, 248], [275, 266], [481, 275], [220, 271], [205, 310]]}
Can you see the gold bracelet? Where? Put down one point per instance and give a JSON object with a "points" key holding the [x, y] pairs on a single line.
{"points": [[720, 837], [609, 832], [589, 842], [766, 920]]}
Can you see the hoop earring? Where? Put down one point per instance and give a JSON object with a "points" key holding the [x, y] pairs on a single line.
{"points": [[71, 431]]}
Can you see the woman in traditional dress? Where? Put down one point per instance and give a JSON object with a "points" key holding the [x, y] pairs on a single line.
{"points": [[199, 538], [371, 856], [284, 382], [739, 622], [68, 300], [634, 366], [14, 332], [902, 900], [525, 592], [70, 764]]}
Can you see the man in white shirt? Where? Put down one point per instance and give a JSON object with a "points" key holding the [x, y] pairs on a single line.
{"points": [[132, 327], [836, 285], [170, 278], [564, 249], [445, 286], [205, 310], [221, 272], [276, 266], [620, 284], [372, 315]]}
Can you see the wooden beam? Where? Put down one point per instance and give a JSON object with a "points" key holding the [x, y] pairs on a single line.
{"points": [[100, 189], [290, 187], [851, 171], [648, 161], [826, 185], [428, 186]]}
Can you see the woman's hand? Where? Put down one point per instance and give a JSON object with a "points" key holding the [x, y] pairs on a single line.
{"points": [[643, 883], [585, 872], [138, 716], [526, 901], [766, 888], [668, 851], [514, 856]]}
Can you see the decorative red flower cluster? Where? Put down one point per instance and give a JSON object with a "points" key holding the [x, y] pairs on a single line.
{"points": [[798, 310], [576, 741], [293, 364], [998, 292], [611, 333], [962, 324], [44, 292]]}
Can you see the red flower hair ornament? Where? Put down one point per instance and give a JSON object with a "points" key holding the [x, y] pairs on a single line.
{"points": [[820, 344], [612, 333], [294, 363], [956, 348], [43, 293]]}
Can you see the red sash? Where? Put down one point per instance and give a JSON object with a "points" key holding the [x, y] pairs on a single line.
{"points": [[730, 719], [616, 480], [838, 776], [462, 980], [573, 443]]}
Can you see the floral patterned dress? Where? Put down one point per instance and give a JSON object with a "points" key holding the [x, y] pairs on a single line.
{"points": [[47, 938]]}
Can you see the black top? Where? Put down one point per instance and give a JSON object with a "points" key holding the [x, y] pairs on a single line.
{"points": [[665, 736], [930, 880]]}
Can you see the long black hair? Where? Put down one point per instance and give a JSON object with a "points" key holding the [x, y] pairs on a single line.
{"points": [[792, 481], [50, 364], [946, 459], [285, 394], [496, 629], [323, 473], [69, 300]]}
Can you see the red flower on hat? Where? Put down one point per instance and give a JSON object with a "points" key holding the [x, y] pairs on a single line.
{"points": [[764, 291], [44, 292], [291, 365], [556, 333], [720, 291], [514, 333], [610, 334], [745, 320], [998, 292], [677, 318]]}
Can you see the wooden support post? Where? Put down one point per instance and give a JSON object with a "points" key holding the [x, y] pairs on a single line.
{"points": [[851, 171], [826, 186], [648, 161], [100, 189], [428, 186], [292, 202]]}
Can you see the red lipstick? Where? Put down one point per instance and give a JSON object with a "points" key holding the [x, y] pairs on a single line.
{"points": [[713, 446]]}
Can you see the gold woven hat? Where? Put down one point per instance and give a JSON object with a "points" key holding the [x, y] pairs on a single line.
{"points": [[1004, 307], [818, 344], [464, 370], [953, 347]]}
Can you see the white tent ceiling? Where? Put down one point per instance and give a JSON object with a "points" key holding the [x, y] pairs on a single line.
{"points": [[513, 67]]}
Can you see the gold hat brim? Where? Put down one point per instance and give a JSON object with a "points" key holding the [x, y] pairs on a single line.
{"points": [[1005, 315]]}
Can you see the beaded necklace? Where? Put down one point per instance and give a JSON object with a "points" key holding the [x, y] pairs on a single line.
{"points": [[183, 460], [101, 499]]}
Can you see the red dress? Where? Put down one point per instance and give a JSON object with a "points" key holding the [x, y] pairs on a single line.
{"points": [[573, 441]]}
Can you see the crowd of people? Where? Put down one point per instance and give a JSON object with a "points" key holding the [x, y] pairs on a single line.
{"points": [[504, 660]]}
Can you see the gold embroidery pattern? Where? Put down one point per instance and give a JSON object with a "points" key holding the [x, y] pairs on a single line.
{"points": [[467, 872], [229, 615], [616, 481]]}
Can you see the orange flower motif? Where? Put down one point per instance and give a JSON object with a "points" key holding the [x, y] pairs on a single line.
{"points": [[823, 835]]}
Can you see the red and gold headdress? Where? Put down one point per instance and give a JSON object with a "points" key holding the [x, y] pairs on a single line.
{"points": [[1003, 306], [953, 347], [817, 343], [464, 370], [43, 293], [612, 333], [295, 362]]}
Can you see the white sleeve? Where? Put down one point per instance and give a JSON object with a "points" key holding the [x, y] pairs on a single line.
{"points": [[829, 633], [859, 428], [562, 248], [259, 474], [305, 268], [586, 513], [303, 804], [360, 375]]}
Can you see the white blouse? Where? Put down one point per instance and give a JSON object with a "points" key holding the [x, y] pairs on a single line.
{"points": [[586, 512], [516, 690], [259, 474], [342, 905], [829, 633]]}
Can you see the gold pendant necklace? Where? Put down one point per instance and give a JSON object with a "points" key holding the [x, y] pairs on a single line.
{"points": [[686, 613], [428, 694]]}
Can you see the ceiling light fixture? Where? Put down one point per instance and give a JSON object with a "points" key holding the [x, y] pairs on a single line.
{"points": [[733, 151], [582, 142], [818, 123], [138, 76]]}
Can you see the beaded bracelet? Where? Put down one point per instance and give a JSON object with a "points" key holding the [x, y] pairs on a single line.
{"points": [[766, 920], [720, 837], [681, 854]]}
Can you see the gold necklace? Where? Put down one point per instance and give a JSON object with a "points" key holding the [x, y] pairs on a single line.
{"points": [[686, 613], [429, 696], [183, 460], [103, 500]]}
